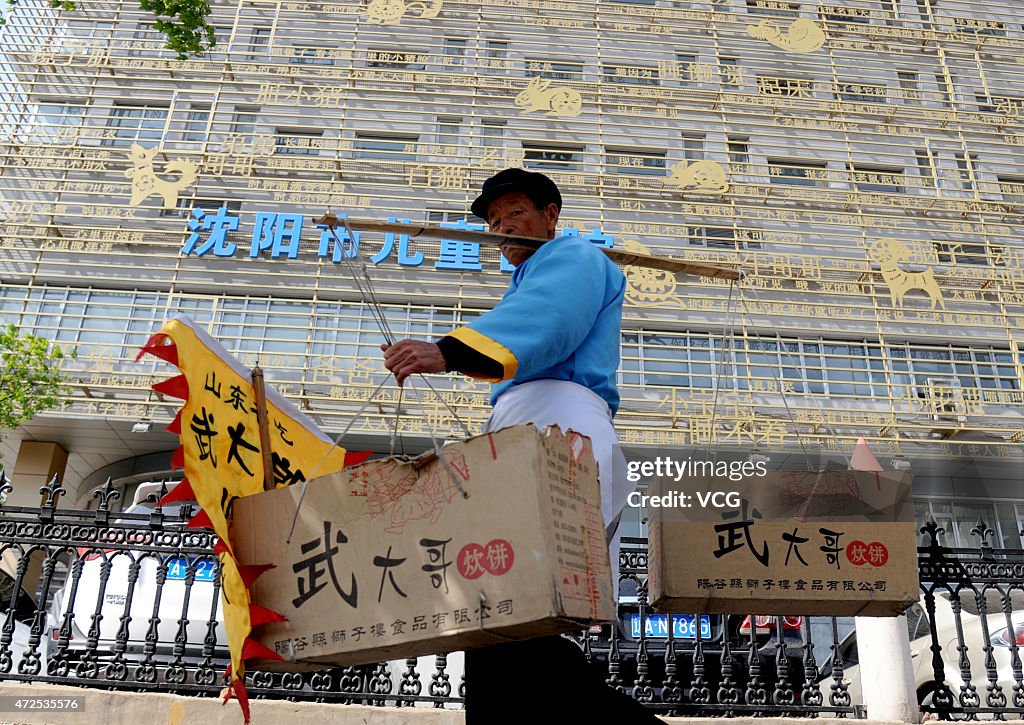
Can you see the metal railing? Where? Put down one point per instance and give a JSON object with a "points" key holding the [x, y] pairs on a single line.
{"points": [[117, 600]]}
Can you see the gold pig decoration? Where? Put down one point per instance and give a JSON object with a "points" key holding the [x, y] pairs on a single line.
{"points": [[391, 12], [706, 176]]}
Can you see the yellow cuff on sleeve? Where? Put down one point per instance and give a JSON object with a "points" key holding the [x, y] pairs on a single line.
{"points": [[486, 346]]}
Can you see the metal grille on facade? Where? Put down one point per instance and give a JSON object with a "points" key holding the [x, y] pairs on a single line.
{"points": [[863, 163]]}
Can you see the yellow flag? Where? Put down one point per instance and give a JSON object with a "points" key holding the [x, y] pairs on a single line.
{"points": [[221, 453]]}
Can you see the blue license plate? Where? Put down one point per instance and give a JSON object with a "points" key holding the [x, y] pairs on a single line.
{"points": [[684, 626], [177, 568]]}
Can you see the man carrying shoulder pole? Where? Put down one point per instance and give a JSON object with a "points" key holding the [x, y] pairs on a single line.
{"points": [[551, 345]]}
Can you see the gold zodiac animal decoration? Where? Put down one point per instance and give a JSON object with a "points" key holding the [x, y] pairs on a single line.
{"points": [[391, 12], [539, 96], [145, 182], [889, 253], [706, 176], [802, 35]]}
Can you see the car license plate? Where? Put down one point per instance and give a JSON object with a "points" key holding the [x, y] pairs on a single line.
{"points": [[177, 568], [684, 626]]}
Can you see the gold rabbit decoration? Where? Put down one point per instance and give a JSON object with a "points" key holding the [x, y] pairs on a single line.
{"points": [[538, 96]]}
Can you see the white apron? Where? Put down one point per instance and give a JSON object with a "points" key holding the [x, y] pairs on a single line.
{"points": [[569, 405]]}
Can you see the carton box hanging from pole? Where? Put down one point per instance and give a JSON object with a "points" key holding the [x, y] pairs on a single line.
{"points": [[389, 559], [792, 542]]}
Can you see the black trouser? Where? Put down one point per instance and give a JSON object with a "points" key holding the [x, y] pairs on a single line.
{"points": [[541, 681]]}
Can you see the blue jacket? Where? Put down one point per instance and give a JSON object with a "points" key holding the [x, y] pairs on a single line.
{"points": [[560, 319]]}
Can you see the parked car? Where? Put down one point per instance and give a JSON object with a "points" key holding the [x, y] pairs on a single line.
{"points": [[1001, 638], [19, 604], [96, 599]]}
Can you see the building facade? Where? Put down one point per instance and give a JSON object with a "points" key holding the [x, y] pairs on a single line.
{"points": [[862, 163]]}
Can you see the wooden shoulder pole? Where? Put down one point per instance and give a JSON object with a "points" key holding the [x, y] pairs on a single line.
{"points": [[263, 423]]}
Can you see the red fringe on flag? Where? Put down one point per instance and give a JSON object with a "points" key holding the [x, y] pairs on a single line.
{"points": [[251, 572], [156, 346], [354, 458], [175, 426], [200, 521], [176, 387], [178, 458], [253, 650], [181, 492], [237, 688], [261, 615]]}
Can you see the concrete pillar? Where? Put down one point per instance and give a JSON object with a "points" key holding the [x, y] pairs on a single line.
{"points": [[886, 671], [35, 466]]}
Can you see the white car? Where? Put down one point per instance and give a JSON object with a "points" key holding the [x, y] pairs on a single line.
{"points": [[1001, 638], [18, 612], [98, 600]]}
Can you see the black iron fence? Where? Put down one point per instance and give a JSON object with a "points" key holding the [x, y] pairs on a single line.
{"points": [[130, 600]]}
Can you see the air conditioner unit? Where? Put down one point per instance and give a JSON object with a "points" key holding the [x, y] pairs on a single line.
{"points": [[946, 400]]}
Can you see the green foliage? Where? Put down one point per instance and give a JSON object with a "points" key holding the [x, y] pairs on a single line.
{"points": [[30, 376], [183, 22]]}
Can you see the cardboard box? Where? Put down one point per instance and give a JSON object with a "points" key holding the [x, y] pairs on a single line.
{"points": [[389, 559], [798, 542]]}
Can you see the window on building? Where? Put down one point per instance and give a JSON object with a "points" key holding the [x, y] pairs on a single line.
{"points": [[492, 133], [640, 162], [797, 173], [730, 72], [1012, 189], [909, 89], [924, 10], [878, 179], [862, 93], [785, 87], [949, 252], [136, 124], [56, 123], [311, 56], [693, 146], [711, 237], [682, 70], [966, 168], [298, 142], [559, 70], [197, 124], [738, 149], [259, 44], [455, 51], [773, 8], [630, 74], [1004, 105], [891, 10], [844, 14], [115, 322], [395, 59], [925, 168], [187, 204], [496, 55], [390, 147], [243, 125], [979, 26], [923, 367], [449, 129], [551, 157]]}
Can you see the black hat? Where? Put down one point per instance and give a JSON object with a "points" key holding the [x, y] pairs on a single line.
{"points": [[535, 185]]}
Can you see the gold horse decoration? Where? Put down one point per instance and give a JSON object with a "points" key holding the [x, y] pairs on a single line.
{"points": [[888, 253], [706, 176], [145, 182], [391, 12], [802, 35]]}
